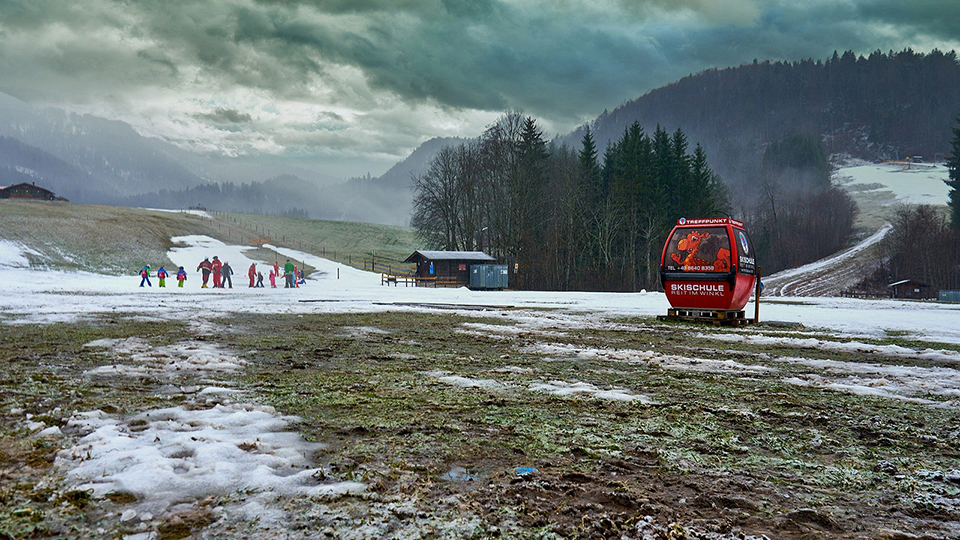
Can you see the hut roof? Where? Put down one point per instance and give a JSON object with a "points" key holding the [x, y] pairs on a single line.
{"points": [[478, 256], [904, 281], [27, 185]]}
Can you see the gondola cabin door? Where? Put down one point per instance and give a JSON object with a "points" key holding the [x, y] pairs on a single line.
{"points": [[708, 264]]}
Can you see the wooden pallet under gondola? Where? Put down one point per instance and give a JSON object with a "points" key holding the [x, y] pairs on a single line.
{"points": [[717, 317]]}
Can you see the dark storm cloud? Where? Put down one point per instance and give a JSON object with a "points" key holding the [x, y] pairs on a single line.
{"points": [[561, 60], [226, 116]]}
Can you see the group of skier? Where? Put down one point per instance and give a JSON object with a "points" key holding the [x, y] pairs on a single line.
{"points": [[161, 276], [222, 275]]}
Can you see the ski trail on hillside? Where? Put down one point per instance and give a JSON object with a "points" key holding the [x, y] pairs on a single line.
{"points": [[828, 276]]}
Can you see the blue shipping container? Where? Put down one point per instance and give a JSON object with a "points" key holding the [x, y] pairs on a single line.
{"points": [[950, 296], [489, 276]]}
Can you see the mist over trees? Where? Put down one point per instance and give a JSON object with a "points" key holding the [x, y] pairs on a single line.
{"points": [[565, 219], [795, 216], [284, 195]]}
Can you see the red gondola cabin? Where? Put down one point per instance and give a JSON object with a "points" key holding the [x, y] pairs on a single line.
{"points": [[708, 264]]}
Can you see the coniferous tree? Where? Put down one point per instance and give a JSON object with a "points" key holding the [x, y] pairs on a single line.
{"points": [[953, 165], [710, 195], [590, 171], [528, 193]]}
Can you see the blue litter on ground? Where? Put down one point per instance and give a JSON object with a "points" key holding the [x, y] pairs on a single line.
{"points": [[527, 470]]}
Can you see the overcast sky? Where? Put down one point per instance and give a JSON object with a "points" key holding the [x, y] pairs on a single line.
{"points": [[363, 82]]}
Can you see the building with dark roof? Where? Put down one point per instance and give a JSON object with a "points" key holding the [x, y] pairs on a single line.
{"points": [[448, 267], [27, 191], [908, 288]]}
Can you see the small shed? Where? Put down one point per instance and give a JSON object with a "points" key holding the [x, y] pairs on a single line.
{"points": [[908, 288], [26, 191], [447, 267]]}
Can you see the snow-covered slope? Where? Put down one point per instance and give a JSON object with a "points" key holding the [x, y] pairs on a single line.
{"points": [[878, 189], [915, 183], [829, 276]]}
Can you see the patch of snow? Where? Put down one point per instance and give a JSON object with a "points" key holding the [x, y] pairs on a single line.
{"points": [[896, 351], [563, 388], [217, 390], [363, 331], [851, 387], [190, 356], [14, 254], [918, 184], [498, 330], [466, 382], [666, 361], [896, 382], [176, 455], [513, 369], [52, 432], [200, 213]]}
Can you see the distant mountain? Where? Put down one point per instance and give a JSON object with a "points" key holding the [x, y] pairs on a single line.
{"points": [[885, 105], [387, 199], [111, 156], [114, 161], [24, 163]]}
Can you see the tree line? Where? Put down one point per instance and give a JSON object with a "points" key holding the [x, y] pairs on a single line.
{"points": [[562, 219], [882, 105]]}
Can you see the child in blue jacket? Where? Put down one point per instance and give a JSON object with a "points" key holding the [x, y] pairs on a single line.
{"points": [[145, 276]]}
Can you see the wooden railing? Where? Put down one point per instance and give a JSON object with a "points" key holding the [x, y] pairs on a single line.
{"points": [[389, 269]]}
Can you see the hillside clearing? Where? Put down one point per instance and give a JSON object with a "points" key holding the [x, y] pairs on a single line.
{"points": [[119, 240]]}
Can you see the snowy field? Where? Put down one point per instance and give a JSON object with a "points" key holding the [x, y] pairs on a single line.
{"points": [[31, 296], [234, 427], [919, 183]]}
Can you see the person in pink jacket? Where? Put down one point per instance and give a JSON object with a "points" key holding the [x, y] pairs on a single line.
{"points": [[273, 279]]}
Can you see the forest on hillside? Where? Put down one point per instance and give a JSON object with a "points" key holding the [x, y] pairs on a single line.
{"points": [[597, 221], [876, 106]]}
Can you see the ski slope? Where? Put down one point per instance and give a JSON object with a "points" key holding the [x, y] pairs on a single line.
{"points": [[829, 276], [878, 188]]}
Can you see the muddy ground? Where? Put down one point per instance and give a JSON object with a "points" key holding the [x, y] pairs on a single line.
{"points": [[507, 424]]}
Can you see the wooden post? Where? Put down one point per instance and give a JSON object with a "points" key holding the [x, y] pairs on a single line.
{"points": [[756, 300]]}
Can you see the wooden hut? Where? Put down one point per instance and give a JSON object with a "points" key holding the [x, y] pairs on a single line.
{"points": [[26, 191], [450, 268], [908, 288]]}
